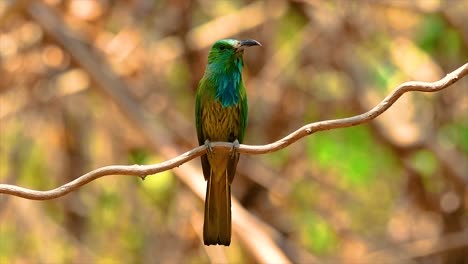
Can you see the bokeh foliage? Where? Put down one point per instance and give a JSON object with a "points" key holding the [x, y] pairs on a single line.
{"points": [[338, 195]]}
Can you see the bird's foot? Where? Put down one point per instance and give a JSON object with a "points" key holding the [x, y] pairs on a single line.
{"points": [[209, 149], [235, 147]]}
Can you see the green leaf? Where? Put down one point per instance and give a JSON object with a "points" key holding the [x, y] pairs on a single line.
{"points": [[350, 152], [318, 235]]}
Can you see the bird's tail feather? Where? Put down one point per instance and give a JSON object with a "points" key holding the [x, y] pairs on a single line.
{"points": [[217, 225]]}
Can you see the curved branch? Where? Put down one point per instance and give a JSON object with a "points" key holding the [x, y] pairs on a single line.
{"points": [[309, 129], [144, 170]]}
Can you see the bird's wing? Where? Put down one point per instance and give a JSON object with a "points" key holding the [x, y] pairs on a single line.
{"points": [[200, 99], [243, 113]]}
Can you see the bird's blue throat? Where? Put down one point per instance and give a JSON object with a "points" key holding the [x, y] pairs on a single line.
{"points": [[227, 81]]}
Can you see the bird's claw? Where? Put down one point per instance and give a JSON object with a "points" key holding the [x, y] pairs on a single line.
{"points": [[209, 149], [235, 147]]}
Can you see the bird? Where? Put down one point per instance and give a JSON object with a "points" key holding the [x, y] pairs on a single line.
{"points": [[221, 113]]}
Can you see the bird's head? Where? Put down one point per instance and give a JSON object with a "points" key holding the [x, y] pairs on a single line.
{"points": [[228, 52]]}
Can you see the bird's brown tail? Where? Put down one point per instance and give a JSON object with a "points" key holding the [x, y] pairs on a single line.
{"points": [[217, 225]]}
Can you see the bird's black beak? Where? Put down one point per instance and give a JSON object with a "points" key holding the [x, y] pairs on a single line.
{"points": [[247, 43]]}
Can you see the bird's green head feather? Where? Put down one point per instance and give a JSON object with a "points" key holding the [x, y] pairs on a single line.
{"points": [[225, 64], [226, 52]]}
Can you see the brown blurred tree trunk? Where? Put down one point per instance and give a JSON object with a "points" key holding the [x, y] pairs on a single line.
{"points": [[75, 139]]}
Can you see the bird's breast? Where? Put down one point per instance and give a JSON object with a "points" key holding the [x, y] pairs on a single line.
{"points": [[220, 123]]}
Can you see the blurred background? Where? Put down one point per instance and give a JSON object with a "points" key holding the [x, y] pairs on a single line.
{"points": [[86, 84]]}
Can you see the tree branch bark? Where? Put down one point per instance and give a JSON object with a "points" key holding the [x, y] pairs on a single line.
{"points": [[144, 170]]}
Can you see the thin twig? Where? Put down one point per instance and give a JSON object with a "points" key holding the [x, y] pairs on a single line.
{"points": [[144, 170]]}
